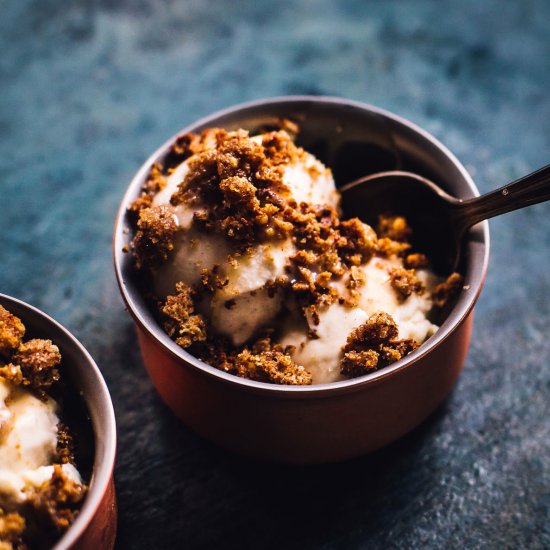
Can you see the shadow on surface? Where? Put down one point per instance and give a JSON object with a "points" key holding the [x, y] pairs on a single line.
{"points": [[216, 499]]}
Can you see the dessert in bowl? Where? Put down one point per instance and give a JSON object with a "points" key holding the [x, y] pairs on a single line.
{"points": [[236, 231], [57, 437]]}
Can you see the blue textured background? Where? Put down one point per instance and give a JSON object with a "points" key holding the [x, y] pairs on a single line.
{"points": [[88, 90]]}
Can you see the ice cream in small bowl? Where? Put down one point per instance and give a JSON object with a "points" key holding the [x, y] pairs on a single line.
{"points": [[268, 320], [57, 437]]}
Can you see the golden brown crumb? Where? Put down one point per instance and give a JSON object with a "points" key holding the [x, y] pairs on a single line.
{"points": [[266, 362], [405, 281], [416, 261], [377, 329], [38, 360], [356, 363], [211, 279], [387, 248], [56, 502], [360, 240], [310, 289], [393, 227], [11, 373], [373, 345], [241, 182], [156, 181], [447, 290], [181, 322], [191, 144], [154, 240], [65, 444], [356, 280], [11, 331], [12, 526], [143, 201], [326, 246], [290, 127]]}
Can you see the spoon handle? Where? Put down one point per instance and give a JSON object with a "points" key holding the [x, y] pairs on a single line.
{"points": [[525, 191]]}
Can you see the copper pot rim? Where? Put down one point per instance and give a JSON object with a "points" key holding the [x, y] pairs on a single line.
{"points": [[99, 400], [458, 314]]}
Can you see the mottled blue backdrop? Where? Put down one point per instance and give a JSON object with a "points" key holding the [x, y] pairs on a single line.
{"points": [[89, 88]]}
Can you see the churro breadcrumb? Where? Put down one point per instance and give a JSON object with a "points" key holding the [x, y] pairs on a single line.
{"points": [[373, 345], [11, 331], [392, 227], [38, 361], [387, 248], [181, 323], [446, 291], [11, 373], [266, 362], [416, 261], [56, 502], [242, 184], [65, 444], [405, 281], [157, 227], [156, 181]]}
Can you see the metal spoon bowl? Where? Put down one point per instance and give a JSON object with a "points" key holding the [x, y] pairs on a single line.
{"points": [[439, 220]]}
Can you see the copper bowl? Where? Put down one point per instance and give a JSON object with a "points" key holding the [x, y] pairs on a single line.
{"points": [[327, 422], [95, 525]]}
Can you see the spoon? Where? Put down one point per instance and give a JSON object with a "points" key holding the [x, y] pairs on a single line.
{"points": [[439, 221]]}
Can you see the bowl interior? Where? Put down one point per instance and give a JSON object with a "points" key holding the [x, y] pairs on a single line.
{"points": [[87, 407], [354, 140]]}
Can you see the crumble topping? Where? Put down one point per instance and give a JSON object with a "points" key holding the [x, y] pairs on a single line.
{"points": [[416, 261], [356, 280], [11, 331], [12, 526], [388, 248], [154, 240], [34, 364], [405, 281], [46, 510], [65, 444], [446, 291], [392, 227], [37, 361], [241, 183], [181, 323], [156, 181], [56, 502], [374, 345], [234, 186], [265, 362]]}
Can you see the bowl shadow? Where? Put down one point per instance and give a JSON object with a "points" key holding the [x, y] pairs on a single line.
{"points": [[215, 499]]}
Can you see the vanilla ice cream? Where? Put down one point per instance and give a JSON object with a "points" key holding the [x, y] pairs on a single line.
{"points": [[28, 441], [40, 488], [256, 273], [194, 251]]}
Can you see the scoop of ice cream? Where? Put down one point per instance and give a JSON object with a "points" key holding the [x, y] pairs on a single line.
{"points": [[28, 441], [246, 249], [242, 304], [322, 354]]}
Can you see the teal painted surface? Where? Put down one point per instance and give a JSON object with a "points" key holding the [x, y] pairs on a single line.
{"points": [[87, 91]]}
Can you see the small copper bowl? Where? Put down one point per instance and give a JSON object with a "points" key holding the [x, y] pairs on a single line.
{"points": [[95, 525], [329, 422]]}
